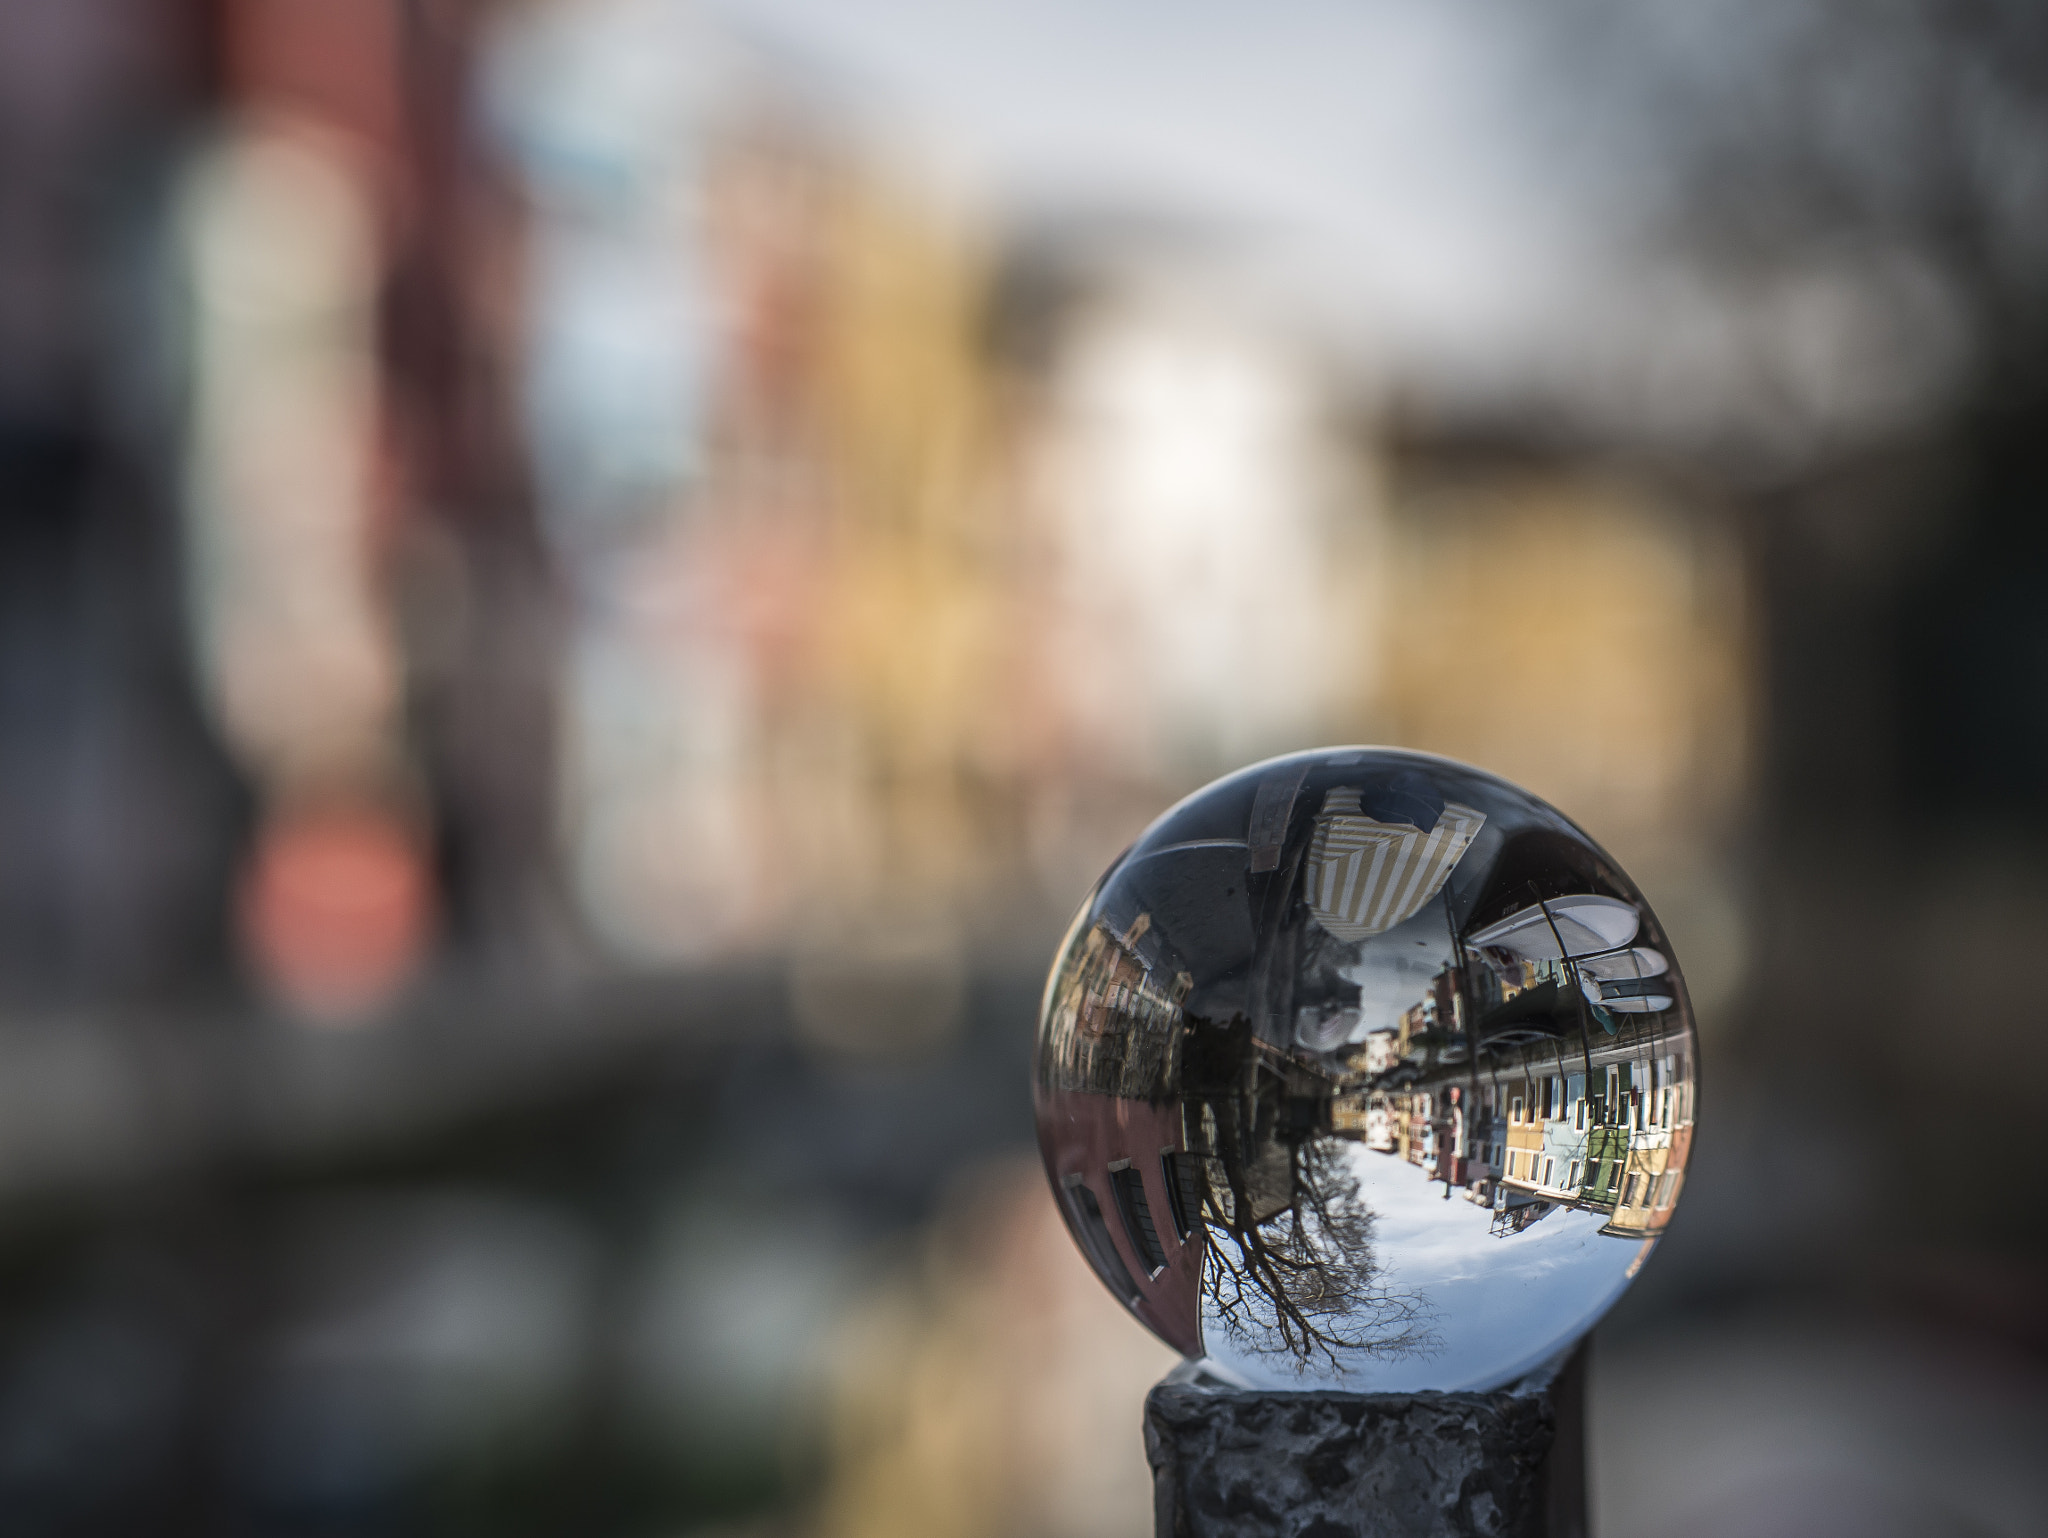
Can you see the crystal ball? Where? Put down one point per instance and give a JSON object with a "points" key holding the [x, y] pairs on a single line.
{"points": [[1366, 1070]]}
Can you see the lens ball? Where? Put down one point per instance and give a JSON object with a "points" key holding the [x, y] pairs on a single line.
{"points": [[1366, 1070]]}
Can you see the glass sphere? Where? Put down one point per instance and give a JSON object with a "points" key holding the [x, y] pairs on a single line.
{"points": [[1365, 1070]]}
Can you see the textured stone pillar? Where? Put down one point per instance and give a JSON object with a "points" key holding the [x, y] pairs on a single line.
{"points": [[1234, 1464]]}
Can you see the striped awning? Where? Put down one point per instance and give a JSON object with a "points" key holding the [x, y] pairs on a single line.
{"points": [[1364, 877]]}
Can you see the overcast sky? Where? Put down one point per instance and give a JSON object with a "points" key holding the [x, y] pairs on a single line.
{"points": [[1404, 162], [1472, 196], [1501, 1305]]}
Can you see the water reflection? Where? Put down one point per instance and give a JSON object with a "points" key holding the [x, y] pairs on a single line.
{"points": [[1354, 1067]]}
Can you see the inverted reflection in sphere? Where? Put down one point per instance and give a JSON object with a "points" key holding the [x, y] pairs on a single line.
{"points": [[1366, 1070]]}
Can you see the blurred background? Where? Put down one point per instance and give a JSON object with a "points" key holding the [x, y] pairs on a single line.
{"points": [[585, 584]]}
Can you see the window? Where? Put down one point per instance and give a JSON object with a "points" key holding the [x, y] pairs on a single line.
{"points": [[1571, 1175], [1515, 1109], [1630, 1191], [1579, 1114], [1086, 1214], [1549, 1169], [1128, 1186], [1184, 1187]]}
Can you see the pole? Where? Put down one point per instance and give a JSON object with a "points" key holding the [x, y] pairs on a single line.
{"points": [[1229, 1463]]}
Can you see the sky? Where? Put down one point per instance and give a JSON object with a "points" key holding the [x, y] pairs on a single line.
{"points": [[1477, 203], [1404, 169], [1502, 1306]]}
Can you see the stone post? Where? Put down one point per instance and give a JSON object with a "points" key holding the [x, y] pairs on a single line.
{"points": [[1229, 1463]]}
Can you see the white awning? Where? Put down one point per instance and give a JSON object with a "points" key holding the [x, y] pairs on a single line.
{"points": [[1640, 961], [1585, 923]]}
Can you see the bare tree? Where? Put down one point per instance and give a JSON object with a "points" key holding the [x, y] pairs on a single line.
{"points": [[1303, 1281]]}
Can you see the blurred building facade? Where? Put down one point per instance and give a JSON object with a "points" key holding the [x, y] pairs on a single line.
{"points": [[574, 620], [885, 633]]}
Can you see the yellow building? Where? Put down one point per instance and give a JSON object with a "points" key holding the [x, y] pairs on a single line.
{"points": [[1659, 1118]]}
